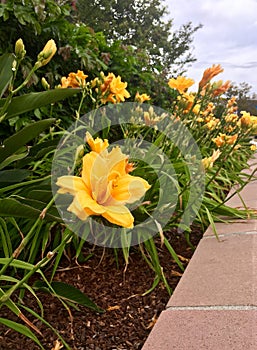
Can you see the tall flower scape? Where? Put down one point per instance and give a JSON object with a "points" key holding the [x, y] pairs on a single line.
{"points": [[103, 186]]}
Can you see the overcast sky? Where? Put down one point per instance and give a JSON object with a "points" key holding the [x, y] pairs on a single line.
{"points": [[228, 36]]}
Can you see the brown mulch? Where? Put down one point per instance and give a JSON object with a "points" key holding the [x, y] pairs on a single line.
{"points": [[128, 317]]}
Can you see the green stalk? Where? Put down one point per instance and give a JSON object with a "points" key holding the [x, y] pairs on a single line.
{"points": [[40, 264], [26, 239], [13, 92]]}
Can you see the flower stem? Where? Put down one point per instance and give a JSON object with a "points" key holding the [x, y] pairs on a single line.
{"points": [[26, 239]]}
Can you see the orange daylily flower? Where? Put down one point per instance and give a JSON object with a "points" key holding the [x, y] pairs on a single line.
{"points": [[209, 73], [221, 87], [105, 186], [231, 102], [74, 80], [223, 139], [113, 89]]}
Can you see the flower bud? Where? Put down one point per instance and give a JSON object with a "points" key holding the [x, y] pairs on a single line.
{"points": [[20, 51], [79, 154], [45, 84], [46, 54], [49, 255]]}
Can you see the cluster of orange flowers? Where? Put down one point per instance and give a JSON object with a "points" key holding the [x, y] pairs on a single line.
{"points": [[248, 121], [192, 102], [111, 88], [224, 139], [203, 111], [182, 83], [74, 80]]}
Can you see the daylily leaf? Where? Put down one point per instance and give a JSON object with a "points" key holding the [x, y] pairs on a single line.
{"points": [[12, 207], [38, 151], [28, 102], [6, 73], [13, 158], [19, 264], [13, 176], [20, 138], [20, 328], [69, 293], [40, 195]]}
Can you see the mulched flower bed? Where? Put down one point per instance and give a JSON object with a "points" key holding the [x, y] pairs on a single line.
{"points": [[128, 317]]}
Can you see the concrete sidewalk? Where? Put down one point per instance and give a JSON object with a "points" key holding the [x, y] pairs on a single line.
{"points": [[214, 305]]}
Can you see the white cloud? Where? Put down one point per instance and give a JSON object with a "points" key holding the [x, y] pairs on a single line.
{"points": [[228, 36]]}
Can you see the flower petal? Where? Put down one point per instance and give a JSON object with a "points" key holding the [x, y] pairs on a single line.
{"points": [[117, 162], [94, 168], [129, 189], [97, 145], [70, 184], [76, 209], [119, 215], [87, 202]]}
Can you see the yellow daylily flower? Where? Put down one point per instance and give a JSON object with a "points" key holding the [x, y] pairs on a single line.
{"points": [[98, 145], [180, 83], [105, 186], [208, 162], [113, 89], [142, 97]]}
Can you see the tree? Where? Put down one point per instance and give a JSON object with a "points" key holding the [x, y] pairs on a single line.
{"points": [[38, 21], [142, 24], [245, 100], [144, 64]]}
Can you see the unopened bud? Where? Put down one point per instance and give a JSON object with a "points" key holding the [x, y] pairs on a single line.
{"points": [[46, 54], [217, 84], [45, 84], [79, 154], [20, 51], [14, 65], [50, 255]]}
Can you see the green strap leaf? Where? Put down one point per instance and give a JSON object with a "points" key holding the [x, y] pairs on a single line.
{"points": [[19, 264], [29, 102], [13, 176], [21, 329], [69, 293], [19, 139], [6, 73], [13, 158], [40, 195], [12, 207]]}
